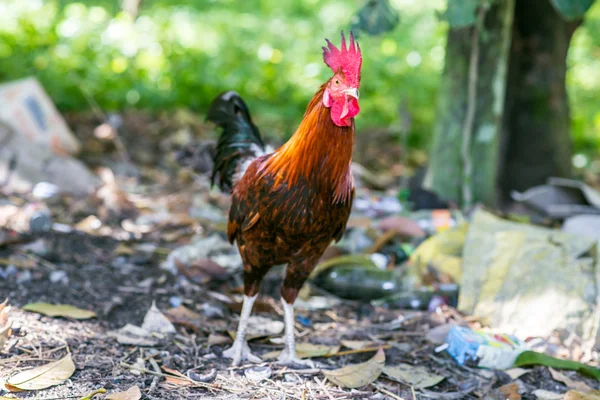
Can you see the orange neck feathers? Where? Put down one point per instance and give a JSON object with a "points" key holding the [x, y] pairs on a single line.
{"points": [[319, 151]]}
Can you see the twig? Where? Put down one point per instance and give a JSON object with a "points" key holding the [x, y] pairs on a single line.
{"points": [[467, 131], [144, 370], [92, 394], [357, 351], [41, 261], [156, 368], [392, 395], [312, 371], [182, 377], [322, 385], [412, 389], [19, 360]]}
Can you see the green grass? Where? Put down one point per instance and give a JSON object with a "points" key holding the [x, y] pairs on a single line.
{"points": [[181, 53]]}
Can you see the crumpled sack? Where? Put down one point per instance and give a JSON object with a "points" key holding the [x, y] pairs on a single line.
{"points": [[530, 280]]}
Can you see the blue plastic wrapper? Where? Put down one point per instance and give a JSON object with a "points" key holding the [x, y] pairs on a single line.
{"points": [[482, 349]]}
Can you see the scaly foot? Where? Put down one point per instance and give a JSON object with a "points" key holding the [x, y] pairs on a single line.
{"points": [[240, 351], [291, 358]]}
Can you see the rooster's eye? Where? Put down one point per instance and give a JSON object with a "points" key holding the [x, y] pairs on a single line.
{"points": [[337, 82]]}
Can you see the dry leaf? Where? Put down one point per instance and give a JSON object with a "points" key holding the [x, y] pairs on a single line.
{"points": [[133, 335], [89, 224], [177, 378], [155, 321], [185, 317], [218, 339], [42, 377], [418, 377], [571, 384], [133, 393], [516, 373], [547, 395], [123, 250], [358, 375], [439, 334], [202, 270], [59, 310], [5, 324], [510, 392], [90, 395], [576, 395], [356, 344], [306, 350]]}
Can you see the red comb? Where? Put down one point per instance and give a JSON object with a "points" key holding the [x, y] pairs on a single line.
{"points": [[349, 59]]}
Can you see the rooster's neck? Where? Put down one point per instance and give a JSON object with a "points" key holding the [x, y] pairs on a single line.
{"points": [[319, 151]]}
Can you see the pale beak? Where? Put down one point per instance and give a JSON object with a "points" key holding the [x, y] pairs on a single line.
{"points": [[352, 92]]}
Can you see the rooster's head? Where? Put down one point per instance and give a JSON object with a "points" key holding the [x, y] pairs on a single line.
{"points": [[341, 92]]}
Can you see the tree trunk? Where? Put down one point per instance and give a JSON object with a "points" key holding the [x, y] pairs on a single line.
{"points": [[458, 167], [537, 141]]}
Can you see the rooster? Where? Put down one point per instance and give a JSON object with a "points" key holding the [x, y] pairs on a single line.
{"points": [[288, 205]]}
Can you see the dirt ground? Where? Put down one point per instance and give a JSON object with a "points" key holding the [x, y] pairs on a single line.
{"points": [[114, 270], [114, 292]]}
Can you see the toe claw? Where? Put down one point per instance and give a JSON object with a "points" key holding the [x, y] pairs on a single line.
{"points": [[239, 352]]}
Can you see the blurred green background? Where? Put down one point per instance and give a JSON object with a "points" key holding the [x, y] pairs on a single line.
{"points": [[182, 53]]}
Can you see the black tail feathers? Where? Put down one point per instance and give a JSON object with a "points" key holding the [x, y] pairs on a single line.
{"points": [[240, 140]]}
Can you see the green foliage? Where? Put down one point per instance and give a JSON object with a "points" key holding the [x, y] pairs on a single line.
{"points": [[583, 84], [182, 53], [530, 358], [572, 9], [460, 13], [375, 18]]}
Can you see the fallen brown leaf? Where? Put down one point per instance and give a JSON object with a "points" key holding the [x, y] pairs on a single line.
{"points": [[59, 310], [185, 317], [202, 271], [5, 324], [356, 344], [358, 375], [176, 378], [415, 376], [155, 321], [571, 384], [133, 393], [510, 392], [576, 395], [42, 377]]}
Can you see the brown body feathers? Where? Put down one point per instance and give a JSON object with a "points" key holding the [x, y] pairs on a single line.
{"points": [[291, 204]]}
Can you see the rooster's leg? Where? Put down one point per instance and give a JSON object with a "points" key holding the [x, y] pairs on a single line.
{"points": [[288, 355], [240, 349], [295, 277]]}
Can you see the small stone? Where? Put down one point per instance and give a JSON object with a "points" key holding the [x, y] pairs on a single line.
{"points": [[291, 378], [9, 271], [118, 262], [38, 247], [59, 276], [175, 301], [212, 311], [258, 374], [24, 276]]}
